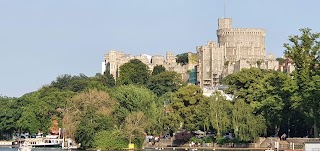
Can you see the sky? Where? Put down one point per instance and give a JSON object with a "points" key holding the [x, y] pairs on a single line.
{"points": [[43, 39]]}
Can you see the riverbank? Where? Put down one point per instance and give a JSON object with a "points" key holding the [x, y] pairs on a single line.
{"points": [[213, 148]]}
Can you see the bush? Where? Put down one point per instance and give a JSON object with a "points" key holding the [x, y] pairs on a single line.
{"points": [[209, 139], [138, 142], [195, 140], [110, 140], [223, 140]]}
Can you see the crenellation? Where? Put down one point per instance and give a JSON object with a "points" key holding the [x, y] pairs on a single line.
{"points": [[114, 59]]}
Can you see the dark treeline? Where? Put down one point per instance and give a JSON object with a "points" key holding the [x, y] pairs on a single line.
{"points": [[92, 110]]}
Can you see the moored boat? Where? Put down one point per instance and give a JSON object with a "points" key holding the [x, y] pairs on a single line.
{"points": [[48, 141]]}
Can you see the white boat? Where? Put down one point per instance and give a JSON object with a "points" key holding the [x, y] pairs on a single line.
{"points": [[25, 147], [51, 141]]}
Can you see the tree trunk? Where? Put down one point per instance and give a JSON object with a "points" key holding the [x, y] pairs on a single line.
{"points": [[130, 139], [315, 129], [315, 123], [276, 130], [315, 126], [218, 129]]}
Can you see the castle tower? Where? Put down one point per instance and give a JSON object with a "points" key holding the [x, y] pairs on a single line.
{"points": [[237, 48], [111, 62], [241, 43], [210, 64]]}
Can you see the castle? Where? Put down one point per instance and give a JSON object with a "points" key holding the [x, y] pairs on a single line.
{"points": [[236, 48]]}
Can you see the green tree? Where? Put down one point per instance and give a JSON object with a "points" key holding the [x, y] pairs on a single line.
{"points": [[36, 114], [168, 81], [10, 113], [105, 79], [110, 81], [132, 98], [246, 125], [274, 103], [158, 69], [268, 92], [220, 113], [90, 125], [72, 83], [245, 84], [55, 100], [28, 122], [186, 107], [169, 122], [91, 102], [303, 51], [182, 58], [133, 72]]}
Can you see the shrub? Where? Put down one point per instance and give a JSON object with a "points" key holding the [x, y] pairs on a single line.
{"points": [[223, 140], [110, 140], [195, 140], [209, 139], [138, 142]]}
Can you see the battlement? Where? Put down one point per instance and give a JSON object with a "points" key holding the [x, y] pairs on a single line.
{"points": [[241, 31], [114, 59]]}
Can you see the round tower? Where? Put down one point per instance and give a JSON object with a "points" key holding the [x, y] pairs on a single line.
{"points": [[241, 43]]}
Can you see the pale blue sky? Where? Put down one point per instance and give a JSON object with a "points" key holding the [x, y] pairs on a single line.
{"points": [[42, 39]]}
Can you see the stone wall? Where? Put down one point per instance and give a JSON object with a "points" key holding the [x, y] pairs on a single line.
{"points": [[114, 59]]}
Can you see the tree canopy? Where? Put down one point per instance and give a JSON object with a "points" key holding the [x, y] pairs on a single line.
{"points": [[182, 58], [303, 51], [158, 69], [167, 81], [133, 72]]}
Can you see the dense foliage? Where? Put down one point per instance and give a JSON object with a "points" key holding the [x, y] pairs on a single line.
{"points": [[158, 69], [133, 72], [182, 58], [98, 113]]}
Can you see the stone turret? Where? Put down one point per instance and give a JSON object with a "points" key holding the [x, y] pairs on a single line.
{"points": [[224, 23], [241, 43], [171, 59]]}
